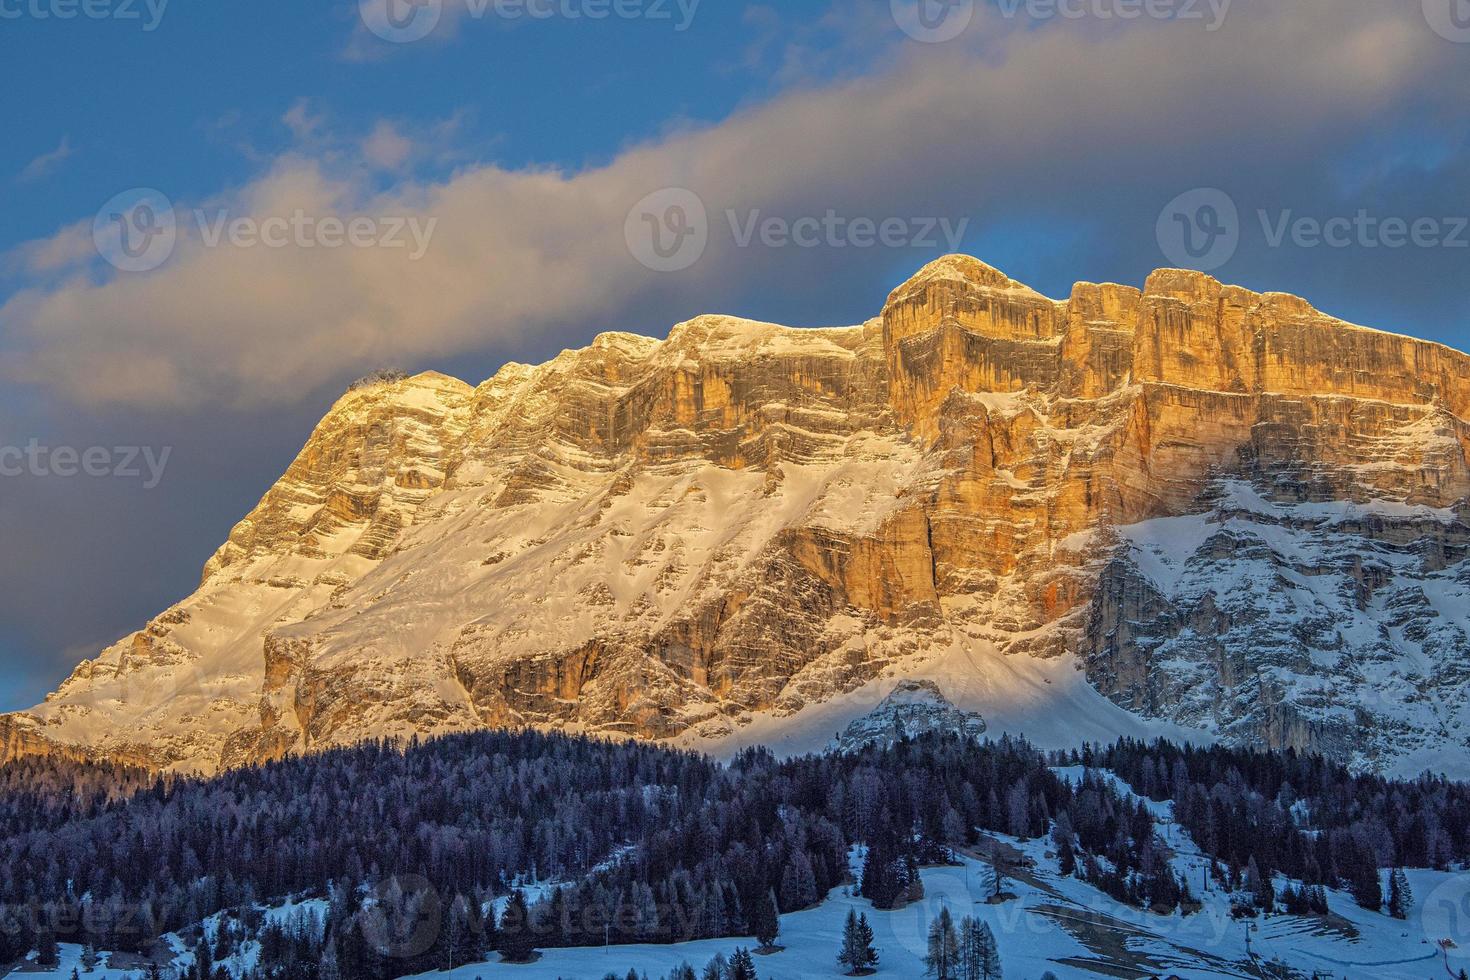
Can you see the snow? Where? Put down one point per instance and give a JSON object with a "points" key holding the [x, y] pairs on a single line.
{"points": [[550, 536], [1062, 925], [1045, 700], [1054, 923], [1354, 612], [811, 939]]}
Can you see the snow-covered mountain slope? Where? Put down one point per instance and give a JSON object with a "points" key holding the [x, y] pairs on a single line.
{"points": [[913, 708], [1335, 625], [1227, 510]]}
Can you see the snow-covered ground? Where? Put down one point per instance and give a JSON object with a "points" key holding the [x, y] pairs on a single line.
{"points": [[243, 959], [1054, 924], [1067, 927]]}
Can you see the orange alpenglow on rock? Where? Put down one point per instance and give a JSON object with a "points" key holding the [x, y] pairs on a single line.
{"points": [[1228, 511]]}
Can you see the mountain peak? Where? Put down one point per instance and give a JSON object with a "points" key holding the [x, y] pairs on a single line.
{"points": [[956, 272], [913, 708], [659, 537]]}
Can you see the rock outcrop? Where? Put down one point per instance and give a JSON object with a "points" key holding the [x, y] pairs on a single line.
{"points": [[913, 708], [1235, 512]]}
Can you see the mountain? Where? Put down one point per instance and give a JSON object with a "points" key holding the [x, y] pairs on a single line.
{"points": [[913, 708], [1222, 509]]}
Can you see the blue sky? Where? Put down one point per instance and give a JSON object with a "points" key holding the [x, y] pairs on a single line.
{"points": [[1054, 142]]}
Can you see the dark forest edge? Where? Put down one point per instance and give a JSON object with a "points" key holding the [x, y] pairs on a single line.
{"points": [[410, 847]]}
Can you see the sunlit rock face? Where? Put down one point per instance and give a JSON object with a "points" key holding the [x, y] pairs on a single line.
{"points": [[1234, 513]]}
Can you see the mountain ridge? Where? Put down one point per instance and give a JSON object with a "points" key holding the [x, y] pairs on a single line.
{"points": [[662, 538]]}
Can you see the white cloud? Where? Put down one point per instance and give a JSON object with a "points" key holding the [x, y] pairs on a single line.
{"points": [[386, 147], [301, 121], [46, 162], [65, 250]]}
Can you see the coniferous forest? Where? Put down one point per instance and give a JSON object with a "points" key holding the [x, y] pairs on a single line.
{"points": [[418, 852]]}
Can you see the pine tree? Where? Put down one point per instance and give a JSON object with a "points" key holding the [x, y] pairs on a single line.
{"points": [[90, 959], [969, 949], [913, 882], [330, 968], [865, 939], [850, 955], [1364, 881], [989, 954], [798, 884], [742, 967], [517, 942], [944, 948], [1066, 859], [716, 968], [558, 923], [857, 953], [880, 884], [765, 924], [645, 911], [997, 873], [1400, 898], [48, 953], [203, 961], [979, 952]]}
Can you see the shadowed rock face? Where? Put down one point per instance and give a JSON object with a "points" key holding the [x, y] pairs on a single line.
{"points": [[1235, 512], [912, 709]]}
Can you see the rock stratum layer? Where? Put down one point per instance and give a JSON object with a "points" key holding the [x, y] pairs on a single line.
{"points": [[1236, 513]]}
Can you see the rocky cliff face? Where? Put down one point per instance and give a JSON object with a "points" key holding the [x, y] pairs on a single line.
{"points": [[913, 708], [1234, 512]]}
